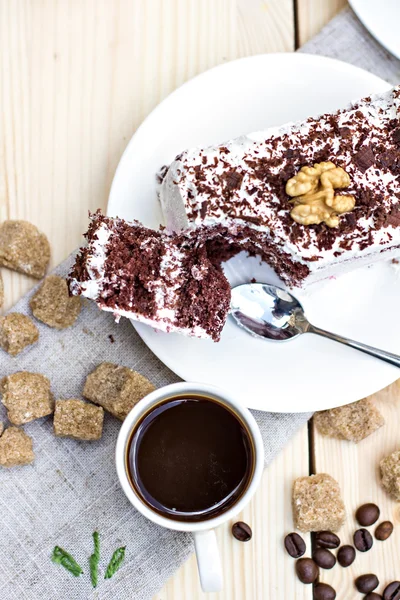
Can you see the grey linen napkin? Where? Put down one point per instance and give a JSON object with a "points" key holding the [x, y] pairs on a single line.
{"points": [[72, 490], [346, 38]]}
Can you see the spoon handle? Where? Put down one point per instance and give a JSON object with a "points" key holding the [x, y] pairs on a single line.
{"points": [[393, 359]]}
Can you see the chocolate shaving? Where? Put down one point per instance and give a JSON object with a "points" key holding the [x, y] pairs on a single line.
{"points": [[394, 217], [233, 179], [364, 158], [344, 132], [396, 136], [203, 209]]}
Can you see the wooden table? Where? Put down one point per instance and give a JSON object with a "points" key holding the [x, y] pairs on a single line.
{"points": [[77, 78]]}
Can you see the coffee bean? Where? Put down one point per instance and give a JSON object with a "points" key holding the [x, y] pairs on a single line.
{"points": [[373, 596], [368, 514], [367, 583], [323, 591], [392, 591], [346, 556], [324, 558], [363, 540], [384, 530], [241, 531], [307, 570], [327, 539], [295, 545]]}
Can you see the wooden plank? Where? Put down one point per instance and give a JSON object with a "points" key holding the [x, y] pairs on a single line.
{"points": [[264, 26], [312, 15], [76, 80], [259, 569], [355, 466]]}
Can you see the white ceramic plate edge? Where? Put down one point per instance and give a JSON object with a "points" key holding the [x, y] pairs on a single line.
{"points": [[126, 161], [367, 20]]}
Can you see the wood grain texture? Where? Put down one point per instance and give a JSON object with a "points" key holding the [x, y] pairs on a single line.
{"points": [[356, 468], [264, 26], [312, 15]]}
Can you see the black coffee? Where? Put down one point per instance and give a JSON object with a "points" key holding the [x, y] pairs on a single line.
{"points": [[190, 458]]}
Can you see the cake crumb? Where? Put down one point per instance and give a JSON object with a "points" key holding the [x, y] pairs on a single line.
{"points": [[390, 473], [17, 331], [15, 448], [24, 248], [353, 422], [26, 396], [77, 419], [317, 504], [111, 338], [117, 389], [52, 304]]}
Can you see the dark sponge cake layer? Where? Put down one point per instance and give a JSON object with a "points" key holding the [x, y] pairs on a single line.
{"points": [[222, 245], [166, 281], [206, 299]]}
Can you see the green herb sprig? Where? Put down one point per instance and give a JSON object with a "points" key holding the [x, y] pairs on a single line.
{"points": [[95, 559], [66, 560], [63, 558], [116, 561]]}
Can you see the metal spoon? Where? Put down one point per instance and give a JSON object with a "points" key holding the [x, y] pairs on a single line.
{"points": [[270, 312]]}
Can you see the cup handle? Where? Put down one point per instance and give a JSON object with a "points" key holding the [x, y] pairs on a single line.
{"points": [[208, 560]]}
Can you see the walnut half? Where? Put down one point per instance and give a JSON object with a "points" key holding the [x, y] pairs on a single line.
{"points": [[313, 190]]}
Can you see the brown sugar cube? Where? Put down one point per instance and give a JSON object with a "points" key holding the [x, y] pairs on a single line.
{"points": [[117, 389], [390, 472], [52, 304], [317, 503], [352, 422], [26, 396], [324, 424], [24, 248], [77, 419], [16, 332], [15, 448], [1, 291]]}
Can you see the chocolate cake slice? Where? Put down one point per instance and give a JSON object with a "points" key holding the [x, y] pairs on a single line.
{"points": [[165, 281], [313, 199], [249, 189]]}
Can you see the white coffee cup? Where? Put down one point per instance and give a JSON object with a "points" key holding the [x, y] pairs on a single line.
{"points": [[208, 559]]}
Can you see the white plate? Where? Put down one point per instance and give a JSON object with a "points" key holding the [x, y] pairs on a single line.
{"points": [[382, 19], [307, 373]]}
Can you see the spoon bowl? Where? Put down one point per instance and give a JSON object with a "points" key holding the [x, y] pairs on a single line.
{"points": [[270, 312], [266, 311]]}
